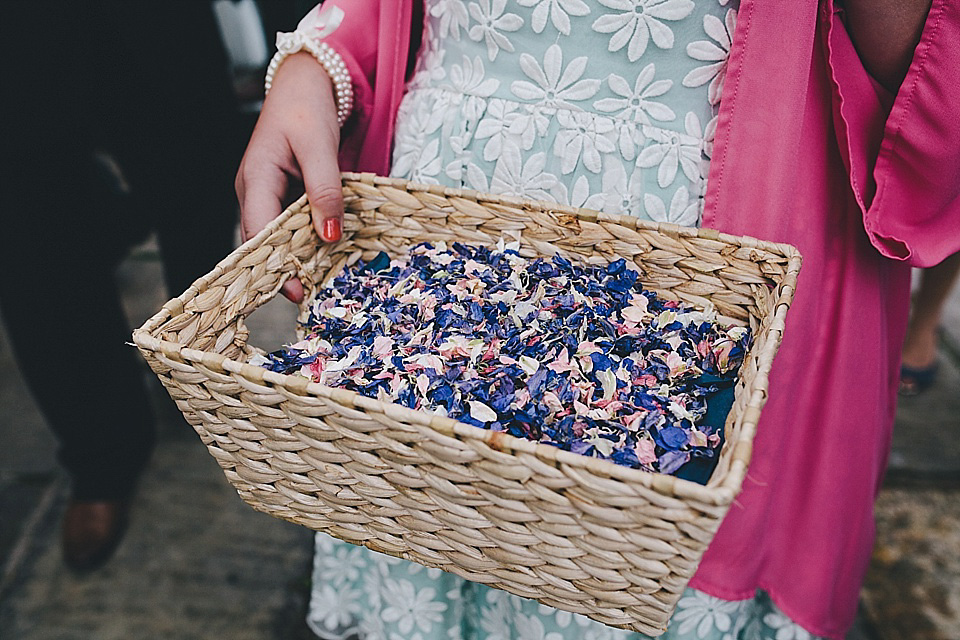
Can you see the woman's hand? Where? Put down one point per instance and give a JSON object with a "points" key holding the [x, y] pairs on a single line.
{"points": [[297, 136]]}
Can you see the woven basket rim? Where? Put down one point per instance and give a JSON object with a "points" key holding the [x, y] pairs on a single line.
{"points": [[720, 494], [632, 222]]}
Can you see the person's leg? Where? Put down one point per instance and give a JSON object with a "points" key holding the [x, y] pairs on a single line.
{"points": [[920, 346], [59, 300], [68, 332], [187, 135]]}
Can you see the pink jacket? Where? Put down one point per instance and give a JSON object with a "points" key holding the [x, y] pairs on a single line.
{"points": [[806, 153]]}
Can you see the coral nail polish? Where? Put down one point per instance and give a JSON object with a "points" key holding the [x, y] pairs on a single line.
{"points": [[331, 229]]}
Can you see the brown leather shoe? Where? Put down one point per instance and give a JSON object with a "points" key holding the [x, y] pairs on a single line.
{"points": [[92, 530]]}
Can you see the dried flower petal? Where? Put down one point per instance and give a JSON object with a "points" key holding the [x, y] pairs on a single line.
{"points": [[578, 357]]}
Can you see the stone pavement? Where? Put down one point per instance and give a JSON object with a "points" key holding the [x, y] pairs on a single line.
{"points": [[913, 588], [198, 563]]}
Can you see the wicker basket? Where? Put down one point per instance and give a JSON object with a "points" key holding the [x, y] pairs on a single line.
{"points": [[581, 534]]}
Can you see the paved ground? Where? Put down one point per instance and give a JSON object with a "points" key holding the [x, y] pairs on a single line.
{"points": [[198, 563], [913, 589]]}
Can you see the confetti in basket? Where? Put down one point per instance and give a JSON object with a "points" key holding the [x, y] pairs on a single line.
{"points": [[577, 533]]}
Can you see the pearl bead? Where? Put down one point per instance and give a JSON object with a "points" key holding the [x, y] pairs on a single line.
{"points": [[328, 58]]}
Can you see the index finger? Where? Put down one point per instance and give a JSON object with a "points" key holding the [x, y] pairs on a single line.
{"points": [[261, 201]]}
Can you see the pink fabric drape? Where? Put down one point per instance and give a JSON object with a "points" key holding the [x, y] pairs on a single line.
{"points": [[374, 41], [806, 153]]}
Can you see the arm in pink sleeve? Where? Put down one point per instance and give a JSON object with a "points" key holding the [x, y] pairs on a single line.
{"points": [[904, 162], [374, 40]]}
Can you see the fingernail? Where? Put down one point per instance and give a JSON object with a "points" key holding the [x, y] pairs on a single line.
{"points": [[331, 229]]}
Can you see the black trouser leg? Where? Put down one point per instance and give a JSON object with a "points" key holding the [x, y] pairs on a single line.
{"points": [[60, 303]]}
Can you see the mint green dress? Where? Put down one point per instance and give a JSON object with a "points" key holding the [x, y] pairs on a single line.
{"points": [[604, 104]]}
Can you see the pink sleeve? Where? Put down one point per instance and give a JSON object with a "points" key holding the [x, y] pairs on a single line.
{"points": [[904, 167], [356, 42], [374, 40]]}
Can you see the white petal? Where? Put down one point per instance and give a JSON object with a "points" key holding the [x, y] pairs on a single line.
{"points": [[539, 18], [608, 105], [509, 22], [706, 624], [591, 158], [626, 35], [476, 178], [614, 179], [526, 91], [488, 127], [680, 200], [657, 211], [501, 41], [690, 163], [454, 170], [716, 30], [688, 217], [491, 150], [627, 147], [552, 64], [573, 72], [659, 111], [488, 87], [475, 13], [710, 131], [651, 155], [559, 194], [701, 75], [535, 164], [619, 85], [716, 86], [481, 412], [509, 160], [658, 88], [731, 24], [671, 9], [532, 69], [644, 78], [576, 7], [581, 91], [492, 48], [571, 154], [594, 202], [541, 185], [476, 33], [611, 23], [706, 51], [662, 34], [581, 191], [638, 43], [529, 365], [604, 144], [622, 5], [667, 171]]}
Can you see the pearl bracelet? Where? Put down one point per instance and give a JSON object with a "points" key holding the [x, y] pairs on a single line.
{"points": [[290, 43]]}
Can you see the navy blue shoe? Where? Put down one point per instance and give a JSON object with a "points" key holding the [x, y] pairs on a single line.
{"points": [[914, 381]]}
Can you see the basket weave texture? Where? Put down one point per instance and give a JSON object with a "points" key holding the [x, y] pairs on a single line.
{"points": [[577, 533]]}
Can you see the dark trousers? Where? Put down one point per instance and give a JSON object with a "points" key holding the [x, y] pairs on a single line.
{"points": [[148, 83]]}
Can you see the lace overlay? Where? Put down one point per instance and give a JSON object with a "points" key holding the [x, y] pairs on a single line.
{"points": [[609, 105]]}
